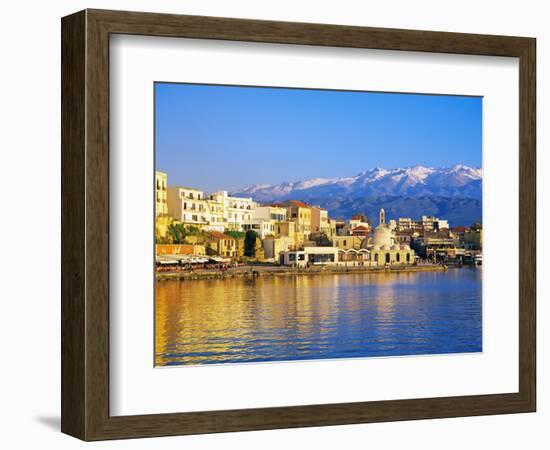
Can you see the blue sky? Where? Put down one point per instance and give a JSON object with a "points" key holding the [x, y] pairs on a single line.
{"points": [[228, 137]]}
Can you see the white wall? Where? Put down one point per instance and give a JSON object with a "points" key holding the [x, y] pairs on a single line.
{"points": [[30, 109]]}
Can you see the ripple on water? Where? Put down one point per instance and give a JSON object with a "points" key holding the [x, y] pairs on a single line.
{"points": [[339, 316]]}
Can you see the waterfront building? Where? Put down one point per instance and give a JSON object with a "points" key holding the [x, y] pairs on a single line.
{"points": [[359, 220], [262, 227], [319, 220], [405, 236], [356, 226], [340, 227], [331, 228], [162, 218], [383, 246], [299, 213], [458, 233], [214, 216], [264, 220], [274, 246], [354, 258], [436, 246], [406, 223], [348, 242], [235, 210], [187, 205], [221, 244], [331, 256], [161, 197], [431, 223], [473, 239], [361, 230], [270, 212], [287, 229], [310, 256]]}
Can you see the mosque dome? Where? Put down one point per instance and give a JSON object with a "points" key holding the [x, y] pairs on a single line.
{"points": [[395, 247], [386, 247], [405, 247], [382, 235]]}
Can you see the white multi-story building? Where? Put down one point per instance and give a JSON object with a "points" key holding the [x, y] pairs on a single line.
{"points": [[431, 223], [263, 228], [187, 205], [405, 223], [216, 221], [236, 210], [275, 213], [264, 219]]}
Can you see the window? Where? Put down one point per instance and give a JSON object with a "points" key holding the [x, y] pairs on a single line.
{"points": [[376, 257], [408, 257], [397, 257]]}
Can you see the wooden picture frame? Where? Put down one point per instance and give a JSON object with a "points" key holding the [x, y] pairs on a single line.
{"points": [[85, 224]]}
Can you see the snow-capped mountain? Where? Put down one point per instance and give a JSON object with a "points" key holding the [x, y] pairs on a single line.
{"points": [[459, 181]]}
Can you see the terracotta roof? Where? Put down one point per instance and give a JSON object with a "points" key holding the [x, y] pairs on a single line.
{"points": [[298, 203], [459, 229], [360, 228]]}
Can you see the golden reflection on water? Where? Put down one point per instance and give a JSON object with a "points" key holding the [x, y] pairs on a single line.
{"points": [[298, 317]]}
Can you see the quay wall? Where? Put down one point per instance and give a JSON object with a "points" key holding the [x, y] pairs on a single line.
{"points": [[270, 271]]}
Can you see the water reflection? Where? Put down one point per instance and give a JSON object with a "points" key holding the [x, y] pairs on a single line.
{"points": [[313, 317]]}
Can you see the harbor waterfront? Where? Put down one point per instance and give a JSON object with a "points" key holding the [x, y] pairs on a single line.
{"points": [[338, 315], [327, 224], [257, 270]]}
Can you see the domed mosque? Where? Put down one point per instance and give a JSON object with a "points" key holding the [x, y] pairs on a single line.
{"points": [[383, 248]]}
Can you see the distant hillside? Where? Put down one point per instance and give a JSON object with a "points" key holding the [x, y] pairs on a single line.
{"points": [[450, 193]]}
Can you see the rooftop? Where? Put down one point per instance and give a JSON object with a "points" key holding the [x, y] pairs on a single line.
{"points": [[298, 203]]}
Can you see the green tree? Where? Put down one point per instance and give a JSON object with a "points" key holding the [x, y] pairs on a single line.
{"points": [[192, 230], [476, 226], [250, 243], [177, 232], [236, 234]]}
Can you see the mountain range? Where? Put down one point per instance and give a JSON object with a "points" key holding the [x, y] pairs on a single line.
{"points": [[452, 193]]}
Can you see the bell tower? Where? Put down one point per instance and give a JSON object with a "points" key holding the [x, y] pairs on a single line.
{"points": [[382, 216]]}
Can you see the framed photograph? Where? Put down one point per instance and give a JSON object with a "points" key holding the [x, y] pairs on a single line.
{"points": [[272, 225]]}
